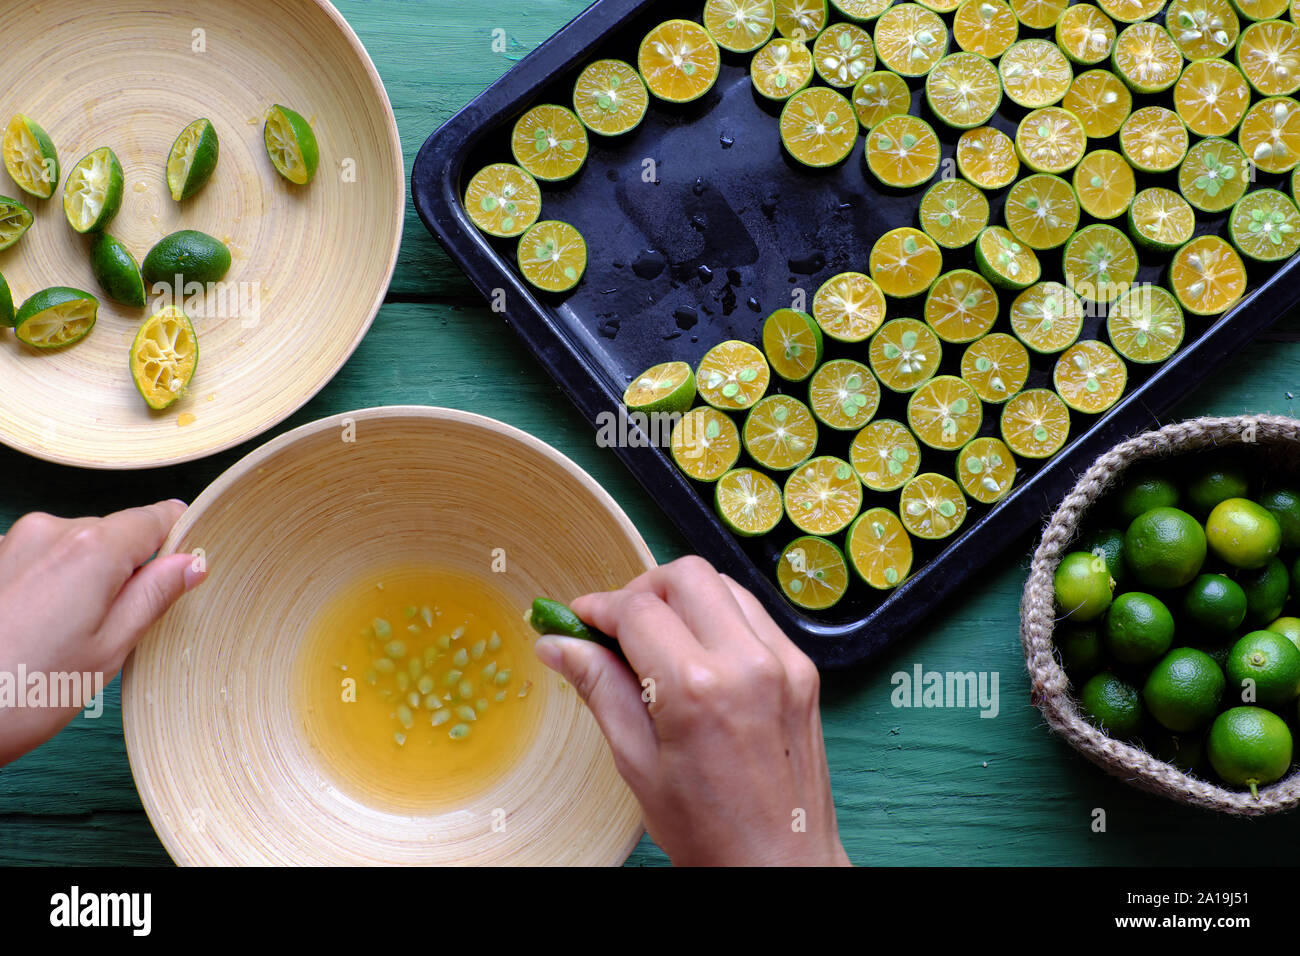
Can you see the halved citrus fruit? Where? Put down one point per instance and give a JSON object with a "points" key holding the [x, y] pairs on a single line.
{"points": [[961, 306], [1146, 58], [1047, 317], [679, 61], [945, 413], [550, 142], [818, 127], [1265, 226], [1090, 377], [953, 212], [164, 357], [910, 39], [1039, 14], [823, 496], [861, 9], [1214, 175], [1211, 97], [610, 97], [93, 193], [932, 506], [1085, 34], [1270, 134], [1269, 55], [733, 375], [1203, 29], [880, 549], [780, 432], [849, 307], [1153, 139], [1145, 324], [843, 55], [987, 157], [812, 573], [1130, 11], [885, 455], [740, 26], [986, 27], [1099, 263], [503, 200], [1004, 260], [997, 367], [705, 443], [793, 344], [1100, 101], [30, 157], [192, 159], [1260, 9], [904, 353], [781, 68], [55, 317], [1160, 219], [553, 256], [291, 145], [844, 395], [904, 262], [1050, 140], [748, 502], [1104, 183], [986, 469], [1035, 73], [1035, 423], [6, 305], [668, 387], [902, 151], [801, 19], [963, 90], [1041, 211], [15, 220], [1207, 275], [878, 95]]}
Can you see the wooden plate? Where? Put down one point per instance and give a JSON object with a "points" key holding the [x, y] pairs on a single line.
{"points": [[223, 762], [311, 264]]}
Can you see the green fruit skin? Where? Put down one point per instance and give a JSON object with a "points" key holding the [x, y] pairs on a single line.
{"points": [[116, 271], [114, 196], [1113, 705], [206, 154], [1276, 687], [1144, 493], [1215, 485], [1249, 745], [1139, 628], [1149, 546], [6, 305], [1081, 649], [27, 214], [306, 142], [47, 149], [1266, 590], [48, 299], [1288, 627], [552, 617], [1184, 751], [193, 255], [1237, 517], [1108, 542], [1081, 571], [1215, 604], [1184, 690], [1284, 505]]}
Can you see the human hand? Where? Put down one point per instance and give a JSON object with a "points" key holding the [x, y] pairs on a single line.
{"points": [[724, 750], [75, 596]]}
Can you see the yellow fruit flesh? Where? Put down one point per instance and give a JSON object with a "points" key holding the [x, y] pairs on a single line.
{"points": [[163, 358]]}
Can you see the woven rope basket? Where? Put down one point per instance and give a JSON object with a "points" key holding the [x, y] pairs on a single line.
{"points": [[1277, 440]]}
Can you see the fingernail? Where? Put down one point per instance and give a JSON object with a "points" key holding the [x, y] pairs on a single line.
{"points": [[179, 502], [194, 576], [548, 652]]}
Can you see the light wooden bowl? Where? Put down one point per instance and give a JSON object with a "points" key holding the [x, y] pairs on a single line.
{"points": [[132, 74], [220, 754]]}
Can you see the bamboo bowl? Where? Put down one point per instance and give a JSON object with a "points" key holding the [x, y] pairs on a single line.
{"points": [[220, 754], [310, 264]]}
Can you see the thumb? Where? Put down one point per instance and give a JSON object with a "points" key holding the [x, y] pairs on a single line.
{"points": [[613, 695], [146, 597]]}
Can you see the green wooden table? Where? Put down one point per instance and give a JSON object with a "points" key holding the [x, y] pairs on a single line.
{"points": [[920, 787]]}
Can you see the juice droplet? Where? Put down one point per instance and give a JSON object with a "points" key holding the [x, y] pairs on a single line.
{"points": [[185, 418]]}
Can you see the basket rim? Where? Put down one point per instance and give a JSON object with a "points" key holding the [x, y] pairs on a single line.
{"points": [[1049, 687]]}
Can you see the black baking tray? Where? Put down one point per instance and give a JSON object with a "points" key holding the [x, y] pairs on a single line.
{"points": [[720, 237]]}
